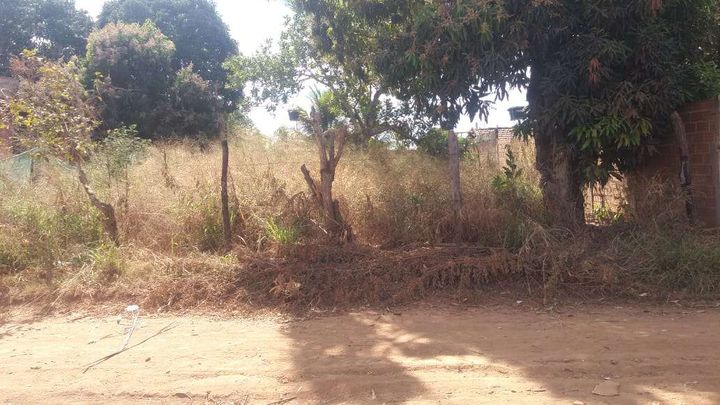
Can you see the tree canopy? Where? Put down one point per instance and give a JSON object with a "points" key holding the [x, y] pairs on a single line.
{"points": [[303, 58], [131, 66], [201, 37], [53, 27], [602, 77], [134, 64]]}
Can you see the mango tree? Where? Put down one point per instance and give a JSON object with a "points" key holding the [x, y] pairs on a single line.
{"points": [[602, 77]]}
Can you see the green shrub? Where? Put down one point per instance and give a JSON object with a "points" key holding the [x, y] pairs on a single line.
{"points": [[671, 261], [514, 190], [435, 143], [38, 235], [284, 235]]}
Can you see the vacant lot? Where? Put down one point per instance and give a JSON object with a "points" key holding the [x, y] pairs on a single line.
{"points": [[423, 355]]}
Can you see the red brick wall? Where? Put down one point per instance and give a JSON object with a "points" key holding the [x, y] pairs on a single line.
{"points": [[702, 124]]}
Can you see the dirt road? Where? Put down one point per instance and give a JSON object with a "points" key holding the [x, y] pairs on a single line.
{"points": [[421, 355]]}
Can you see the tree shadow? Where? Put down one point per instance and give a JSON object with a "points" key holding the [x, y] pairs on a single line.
{"points": [[491, 356], [349, 361]]}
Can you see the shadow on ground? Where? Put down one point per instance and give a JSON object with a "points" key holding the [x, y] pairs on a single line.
{"points": [[508, 356]]}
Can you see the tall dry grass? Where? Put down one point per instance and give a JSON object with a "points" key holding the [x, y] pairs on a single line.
{"points": [[168, 207]]}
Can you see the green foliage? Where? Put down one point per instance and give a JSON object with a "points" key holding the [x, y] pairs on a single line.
{"points": [[284, 235], [200, 36], [36, 235], [51, 111], [435, 143], [603, 77], [511, 174], [201, 216], [606, 215], [305, 54], [678, 261], [106, 263], [194, 109], [512, 187], [131, 64], [119, 150], [53, 27]]}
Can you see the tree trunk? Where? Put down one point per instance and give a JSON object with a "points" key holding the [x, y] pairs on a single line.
{"points": [[107, 210], [560, 181], [330, 144], [334, 221], [227, 231], [455, 188], [558, 165], [685, 177]]}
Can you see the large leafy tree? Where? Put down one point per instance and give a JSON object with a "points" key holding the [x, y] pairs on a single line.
{"points": [[193, 108], [133, 62], [53, 27], [603, 77], [302, 58], [199, 33]]}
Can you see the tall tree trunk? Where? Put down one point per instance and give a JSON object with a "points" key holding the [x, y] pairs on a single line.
{"points": [[330, 144], [560, 181], [227, 231], [560, 178], [685, 177], [107, 210], [334, 221], [455, 187]]}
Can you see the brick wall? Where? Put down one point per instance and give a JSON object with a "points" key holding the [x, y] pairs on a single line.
{"points": [[702, 124]]}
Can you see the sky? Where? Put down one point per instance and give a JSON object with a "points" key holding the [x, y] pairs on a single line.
{"points": [[252, 22]]}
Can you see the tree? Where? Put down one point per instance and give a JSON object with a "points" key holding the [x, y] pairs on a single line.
{"points": [[193, 107], [603, 78], [201, 37], [435, 143], [134, 64], [53, 27], [303, 58], [53, 112], [330, 136]]}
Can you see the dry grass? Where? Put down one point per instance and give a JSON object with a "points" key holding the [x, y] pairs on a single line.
{"points": [[52, 248]]}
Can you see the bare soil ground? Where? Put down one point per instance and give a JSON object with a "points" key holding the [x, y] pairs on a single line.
{"points": [[423, 354]]}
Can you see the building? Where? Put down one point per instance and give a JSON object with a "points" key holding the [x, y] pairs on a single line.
{"points": [[702, 127], [491, 141]]}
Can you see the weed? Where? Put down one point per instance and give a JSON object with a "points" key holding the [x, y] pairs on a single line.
{"points": [[284, 235]]}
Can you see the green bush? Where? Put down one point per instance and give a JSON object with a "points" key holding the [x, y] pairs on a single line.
{"points": [[513, 188], [284, 235], [677, 261], [37, 235], [435, 143]]}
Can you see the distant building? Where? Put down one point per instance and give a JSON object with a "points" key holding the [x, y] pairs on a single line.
{"points": [[491, 141]]}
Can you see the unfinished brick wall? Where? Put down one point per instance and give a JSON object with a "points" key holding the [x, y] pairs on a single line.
{"points": [[702, 124]]}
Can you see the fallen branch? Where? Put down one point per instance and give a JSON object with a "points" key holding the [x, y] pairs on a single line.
{"points": [[97, 362], [282, 401]]}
